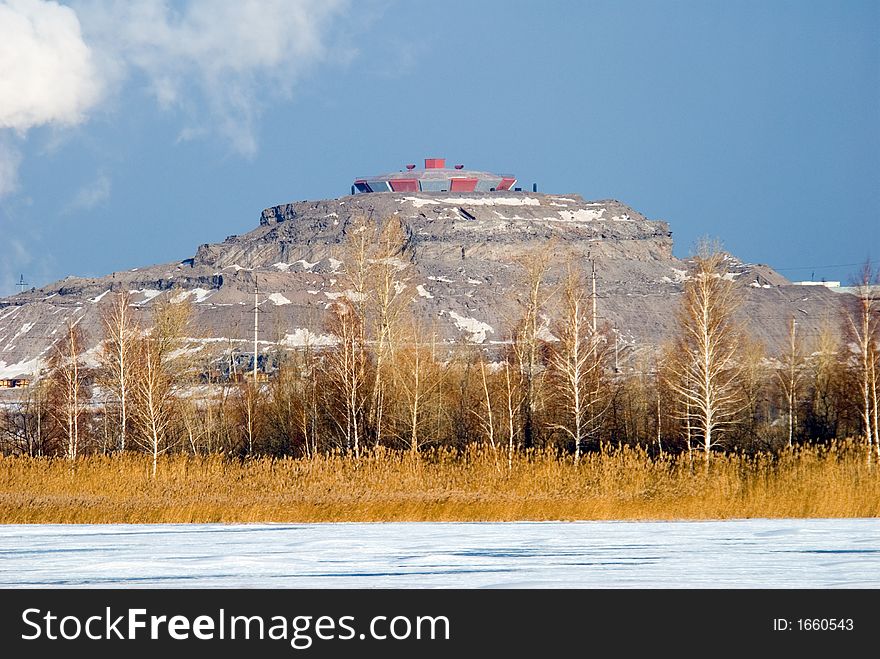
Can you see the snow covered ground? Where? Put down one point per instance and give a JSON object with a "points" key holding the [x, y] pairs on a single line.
{"points": [[727, 554]]}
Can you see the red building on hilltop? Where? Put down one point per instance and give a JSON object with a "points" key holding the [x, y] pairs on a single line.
{"points": [[435, 177]]}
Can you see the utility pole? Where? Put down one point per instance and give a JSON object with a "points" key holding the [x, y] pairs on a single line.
{"points": [[659, 424], [616, 351], [256, 326], [593, 277]]}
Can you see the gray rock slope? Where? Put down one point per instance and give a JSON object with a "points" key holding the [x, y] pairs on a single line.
{"points": [[463, 250]]}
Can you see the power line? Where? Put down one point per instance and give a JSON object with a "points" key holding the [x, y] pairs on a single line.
{"points": [[820, 267]]}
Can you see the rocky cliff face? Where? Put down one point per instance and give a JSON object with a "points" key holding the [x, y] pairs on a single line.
{"points": [[487, 227], [462, 248]]}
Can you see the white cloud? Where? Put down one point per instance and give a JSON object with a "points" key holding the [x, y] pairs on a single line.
{"points": [[218, 62], [47, 75], [47, 72], [10, 158], [89, 196]]}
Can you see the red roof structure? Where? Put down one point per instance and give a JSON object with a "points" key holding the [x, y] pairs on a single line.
{"points": [[435, 177]]}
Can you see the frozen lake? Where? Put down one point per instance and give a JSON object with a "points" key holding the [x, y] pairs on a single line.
{"points": [[719, 554]]}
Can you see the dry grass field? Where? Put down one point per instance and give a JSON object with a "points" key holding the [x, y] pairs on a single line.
{"points": [[441, 486]]}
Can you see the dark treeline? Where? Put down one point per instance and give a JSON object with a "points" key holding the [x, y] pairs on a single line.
{"points": [[388, 380]]}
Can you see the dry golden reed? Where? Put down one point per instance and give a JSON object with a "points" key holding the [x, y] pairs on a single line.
{"points": [[439, 486]]}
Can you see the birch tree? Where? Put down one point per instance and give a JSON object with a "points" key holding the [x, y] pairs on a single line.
{"points": [[309, 364], [69, 386], [827, 378], [416, 383], [28, 427], [862, 326], [249, 412], [117, 357], [158, 374], [153, 386], [374, 281], [526, 338], [485, 414], [578, 365], [348, 375], [790, 376], [501, 404], [514, 399], [707, 365], [387, 297]]}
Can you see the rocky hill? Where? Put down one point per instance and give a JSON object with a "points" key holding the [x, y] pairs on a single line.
{"points": [[463, 250]]}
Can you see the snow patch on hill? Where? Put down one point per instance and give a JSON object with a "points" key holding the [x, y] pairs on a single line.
{"points": [[278, 299], [198, 295], [301, 337], [28, 367], [477, 329], [418, 202]]}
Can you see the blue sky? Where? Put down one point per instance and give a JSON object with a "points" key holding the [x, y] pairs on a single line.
{"points": [[131, 132]]}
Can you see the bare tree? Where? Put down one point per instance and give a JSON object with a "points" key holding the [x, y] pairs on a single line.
{"points": [[485, 414], [514, 397], [348, 375], [577, 363], [790, 375], [195, 418], [286, 408], [862, 326], [68, 377], [826, 386], [374, 281], [658, 402], [309, 364], [707, 365], [154, 399], [248, 405], [388, 298], [526, 339], [416, 382], [501, 404], [753, 389], [159, 373], [27, 427], [875, 371], [116, 357]]}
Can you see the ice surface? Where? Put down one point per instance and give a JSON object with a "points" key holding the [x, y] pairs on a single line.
{"points": [[755, 553]]}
